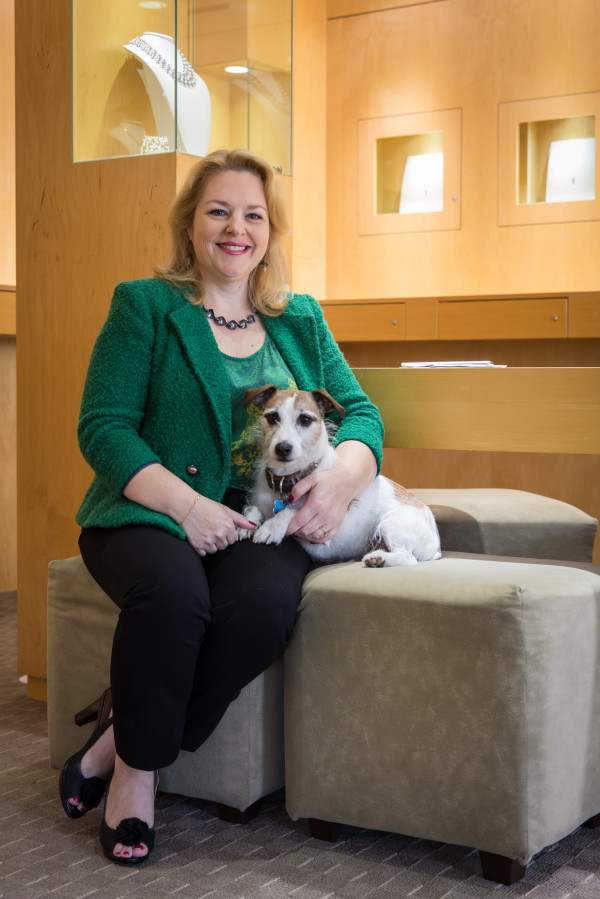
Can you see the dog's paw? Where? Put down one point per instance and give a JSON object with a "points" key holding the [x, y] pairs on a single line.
{"points": [[374, 560], [381, 559], [244, 533], [270, 531]]}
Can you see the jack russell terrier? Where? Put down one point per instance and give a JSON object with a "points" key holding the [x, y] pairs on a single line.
{"points": [[386, 525]]}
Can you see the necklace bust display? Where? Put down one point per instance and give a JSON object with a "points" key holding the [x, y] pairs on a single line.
{"points": [[161, 61]]}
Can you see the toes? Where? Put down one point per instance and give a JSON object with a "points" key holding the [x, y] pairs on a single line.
{"points": [[139, 851]]}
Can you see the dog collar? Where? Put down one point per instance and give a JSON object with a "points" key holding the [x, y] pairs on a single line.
{"points": [[283, 483]]}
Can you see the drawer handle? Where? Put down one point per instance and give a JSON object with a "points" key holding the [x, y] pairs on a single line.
{"points": [[555, 318], [394, 321]]}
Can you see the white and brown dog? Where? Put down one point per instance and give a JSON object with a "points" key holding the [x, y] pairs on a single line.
{"points": [[385, 525]]}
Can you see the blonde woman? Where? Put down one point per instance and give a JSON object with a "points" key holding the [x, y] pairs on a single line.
{"points": [[172, 448]]}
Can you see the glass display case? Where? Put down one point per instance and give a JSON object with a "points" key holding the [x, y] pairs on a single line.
{"points": [[548, 160], [159, 76]]}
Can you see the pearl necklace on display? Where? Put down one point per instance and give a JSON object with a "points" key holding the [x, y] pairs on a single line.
{"points": [[185, 76]]}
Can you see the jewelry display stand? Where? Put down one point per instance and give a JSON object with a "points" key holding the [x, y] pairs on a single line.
{"points": [[159, 78], [184, 101]]}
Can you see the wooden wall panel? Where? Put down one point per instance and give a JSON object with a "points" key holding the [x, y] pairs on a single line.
{"points": [[523, 410], [8, 464], [81, 228], [309, 163], [463, 55], [7, 143], [8, 361], [339, 8]]}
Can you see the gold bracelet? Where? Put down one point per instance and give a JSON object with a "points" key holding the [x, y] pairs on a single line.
{"points": [[197, 497]]}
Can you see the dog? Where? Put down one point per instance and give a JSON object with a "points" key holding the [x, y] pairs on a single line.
{"points": [[385, 526]]}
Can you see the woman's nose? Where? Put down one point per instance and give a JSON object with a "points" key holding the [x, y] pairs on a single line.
{"points": [[236, 224]]}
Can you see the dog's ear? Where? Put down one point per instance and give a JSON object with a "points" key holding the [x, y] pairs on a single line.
{"points": [[326, 402], [260, 396]]}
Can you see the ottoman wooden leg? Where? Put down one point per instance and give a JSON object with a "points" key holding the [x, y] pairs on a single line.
{"points": [[501, 869], [235, 816], [324, 830]]}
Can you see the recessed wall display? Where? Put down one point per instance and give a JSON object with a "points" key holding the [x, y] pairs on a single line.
{"points": [[548, 160], [556, 160], [225, 80], [409, 172]]}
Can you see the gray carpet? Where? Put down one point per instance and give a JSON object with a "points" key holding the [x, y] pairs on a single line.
{"points": [[43, 853]]}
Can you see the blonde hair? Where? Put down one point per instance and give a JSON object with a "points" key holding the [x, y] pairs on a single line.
{"points": [[267, 284]]}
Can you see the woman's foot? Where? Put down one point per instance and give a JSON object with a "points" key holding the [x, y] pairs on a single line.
{"points": [[129, 814], [84, 776], [97, 764]]}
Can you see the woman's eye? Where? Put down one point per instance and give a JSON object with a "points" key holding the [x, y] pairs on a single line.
{"points": [[255, 216], [217, 212], [305, 420]]}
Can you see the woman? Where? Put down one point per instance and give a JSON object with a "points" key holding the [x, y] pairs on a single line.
{"points": [[172, 449]]}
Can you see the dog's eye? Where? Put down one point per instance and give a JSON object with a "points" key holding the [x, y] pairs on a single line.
{"points": [[272, 418], [305, 420]]}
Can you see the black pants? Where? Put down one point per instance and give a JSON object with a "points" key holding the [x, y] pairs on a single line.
{"points": [[191, 633]]}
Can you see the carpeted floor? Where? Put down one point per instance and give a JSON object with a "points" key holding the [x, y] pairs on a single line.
{"points": [[43, 853]]}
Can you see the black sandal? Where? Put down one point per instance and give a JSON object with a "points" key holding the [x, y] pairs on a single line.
{"points": [[130, 832], [72, 783]]}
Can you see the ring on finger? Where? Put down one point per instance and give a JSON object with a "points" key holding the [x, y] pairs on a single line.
{"points": [[324, 531]]}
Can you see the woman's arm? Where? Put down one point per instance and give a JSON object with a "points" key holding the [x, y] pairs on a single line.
{"points": [[208, 525]]}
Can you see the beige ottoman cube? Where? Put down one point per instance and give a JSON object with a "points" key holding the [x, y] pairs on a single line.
{"points": [[503, 522], [456, 700], [241, 762]]}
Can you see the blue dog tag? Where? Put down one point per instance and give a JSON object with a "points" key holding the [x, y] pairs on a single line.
{"points": [[278, 506]]}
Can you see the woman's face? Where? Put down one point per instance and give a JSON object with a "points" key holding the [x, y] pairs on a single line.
{"points": [[230, 230]]}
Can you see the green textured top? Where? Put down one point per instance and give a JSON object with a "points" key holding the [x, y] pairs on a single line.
{"points": [[157, 391], [263, 367]]}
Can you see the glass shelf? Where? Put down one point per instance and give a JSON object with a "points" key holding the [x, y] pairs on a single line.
{"points": [[160, 76]]}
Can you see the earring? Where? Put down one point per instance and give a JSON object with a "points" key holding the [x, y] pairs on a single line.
{"points": [[265, 265]]}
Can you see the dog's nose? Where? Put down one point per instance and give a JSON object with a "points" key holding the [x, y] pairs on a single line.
{"points": [[283, 449]]}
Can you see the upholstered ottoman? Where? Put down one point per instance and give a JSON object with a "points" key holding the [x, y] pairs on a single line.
{"points": [[456, 700], [241, 762], [507, 522]]}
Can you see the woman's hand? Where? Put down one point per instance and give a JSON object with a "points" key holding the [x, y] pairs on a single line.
{"points": [[210, 526], [331, 492]]}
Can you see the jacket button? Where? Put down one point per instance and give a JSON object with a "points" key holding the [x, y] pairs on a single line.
{"points": [[192, 469]]}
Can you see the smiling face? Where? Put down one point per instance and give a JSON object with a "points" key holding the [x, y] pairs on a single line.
{"points": [[230, 230]]}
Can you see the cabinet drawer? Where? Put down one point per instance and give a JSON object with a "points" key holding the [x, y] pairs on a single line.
{"points": [[366, 321], [502, 319]]}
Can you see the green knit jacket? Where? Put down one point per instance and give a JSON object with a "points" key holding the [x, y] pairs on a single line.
{"points": [[157, 391]]}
